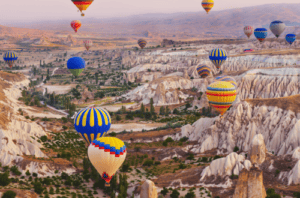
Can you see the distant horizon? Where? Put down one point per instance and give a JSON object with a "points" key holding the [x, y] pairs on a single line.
{"points": [[68, 11]]}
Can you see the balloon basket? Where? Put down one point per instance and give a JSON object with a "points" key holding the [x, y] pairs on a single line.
{"points": [[82, 14], [107, 184]]}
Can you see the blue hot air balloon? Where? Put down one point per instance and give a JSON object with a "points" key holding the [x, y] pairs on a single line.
{"points": [[76, 65], [10, 57], [92, 123], [261, 34], [218, 57], [290, 38]]}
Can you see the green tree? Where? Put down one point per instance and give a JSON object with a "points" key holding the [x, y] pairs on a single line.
{"points": [[175, 194], [190, 194], [38, 188], [4, 180], [167, 111], [9, 194], [152, 110], [142, 108], [164, 191], [96, 77], [51, 191], [27, 173], [162, 110], [118, 117]]}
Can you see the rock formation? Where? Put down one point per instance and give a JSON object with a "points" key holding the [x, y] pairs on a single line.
{"points": [[148, 190], [258, 150]]}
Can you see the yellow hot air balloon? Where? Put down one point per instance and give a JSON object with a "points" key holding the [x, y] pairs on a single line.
{"points": [[221, 95], [207, 5], [107, 154]]}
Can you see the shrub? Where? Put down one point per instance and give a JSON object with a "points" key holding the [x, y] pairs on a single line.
{"points": [[148, 162], [236, 149], [9, 194], [44, 138], [182, 166], [125, 168], [34, 174], [27, 173], [164, 191], [183, 139], [190, 157], [38, 188], [190, 195], [217, 157], [175, 194], [64, 119], [204, 159]]}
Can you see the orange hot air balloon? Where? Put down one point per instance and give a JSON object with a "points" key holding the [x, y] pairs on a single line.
{"points": [[82, 4], [207, 5], [76, 25]]}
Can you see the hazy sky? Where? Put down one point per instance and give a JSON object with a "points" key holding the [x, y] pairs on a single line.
{"points": [[29, 10]]}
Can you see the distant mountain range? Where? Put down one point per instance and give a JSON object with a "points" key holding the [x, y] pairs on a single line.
{"points": [[198, 25]]}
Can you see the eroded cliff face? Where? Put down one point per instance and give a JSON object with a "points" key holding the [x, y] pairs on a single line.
{"points": [[19, 135]]}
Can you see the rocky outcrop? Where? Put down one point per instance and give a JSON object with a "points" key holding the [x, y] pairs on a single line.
{"points": [[250, 184], [148, 190], [258, 150]]}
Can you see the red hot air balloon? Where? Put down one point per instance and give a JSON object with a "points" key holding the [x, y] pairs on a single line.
{"points": [[76, 25]]}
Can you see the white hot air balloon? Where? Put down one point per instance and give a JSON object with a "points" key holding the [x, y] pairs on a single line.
{"points": [[88, 44], [248, 30], [277, 27], [107, 154]]}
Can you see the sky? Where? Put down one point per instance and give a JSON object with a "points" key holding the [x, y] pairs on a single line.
{"points": [[12, 11]]}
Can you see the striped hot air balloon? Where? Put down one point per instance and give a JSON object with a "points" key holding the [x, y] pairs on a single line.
{"points": [[207, 5], [107, 154], [82, 4], [76, 65], [203, 71], [88, 44], [227, 79], [75, 25], [277, 27], [248, 30], [218, 57], [261, 34], [142, 43], [10, 57], [92, 122], [290, 38], [221, 95]]}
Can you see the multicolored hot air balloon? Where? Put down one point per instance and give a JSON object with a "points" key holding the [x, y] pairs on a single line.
{"points": [[218, 57], [290, 38], [92, 122], [82, 4], [207, 5], [221, 95], [248, 30], [75, 25], [76, 65], [261, 34], [107, 154], [10, 57], [227, 79], [203, 71], [142, 43], [277, 27], [88, 44]]}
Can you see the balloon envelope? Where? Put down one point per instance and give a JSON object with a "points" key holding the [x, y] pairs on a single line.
{"points": [[92, 122], [277, 27], [207, 5], [261, 34], [88, 44], [82, 4], [75, 25], [248, 30], [218, 57], [10, 57], [142, 43], [221, 95], [227, 79], [107, 154], [203, 71], [76, 65], [290, 38]]}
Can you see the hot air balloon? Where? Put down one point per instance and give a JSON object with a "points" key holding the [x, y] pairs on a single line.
{"points": [[221, 95], [142, 43], [203, 71], [248, 30], [82, 4], [207, 5], [10, 57], [290, 38], [107, 154], [218, 57], [227, 79], [92, 122], [277, 27], [261, 34], [75, 25], [88, 44], [76, 65]]}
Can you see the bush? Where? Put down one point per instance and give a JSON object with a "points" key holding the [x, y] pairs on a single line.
{"points": [[236, 149], [175, 194], [190, 157], [190, 195], [204, 159], [271, 193], [112, 134], [44, 138], [148, 162], [125, 168], [27, 173], [164, 191], [4, 180], [217, 157], [182, 166], [64, 119], [297, 194], [15, 170], [9, 194], [38, 188], [157, 162], [183, 139], [34, 174], [118, 117]]}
